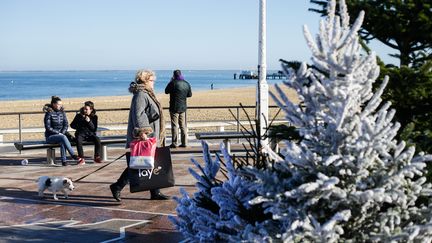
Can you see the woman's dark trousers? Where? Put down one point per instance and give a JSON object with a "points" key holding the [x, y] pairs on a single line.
{"points": [[123, 180], [91, 138]]}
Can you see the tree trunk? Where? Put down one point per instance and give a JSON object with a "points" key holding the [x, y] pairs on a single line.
{"points": [[404, 56]]}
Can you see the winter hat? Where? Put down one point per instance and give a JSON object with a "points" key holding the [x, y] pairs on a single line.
{"points": [[177, 75]]}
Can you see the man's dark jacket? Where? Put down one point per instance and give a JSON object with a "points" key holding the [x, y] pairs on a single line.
{"points": [[82, 127], [179, 90]]}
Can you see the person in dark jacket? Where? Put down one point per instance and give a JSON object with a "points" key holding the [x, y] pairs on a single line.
{"points": [[145, 114], [179, 90], [85, 124], [56, 125]]}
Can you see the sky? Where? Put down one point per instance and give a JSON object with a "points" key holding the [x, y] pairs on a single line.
{"points": [[156, 34]]}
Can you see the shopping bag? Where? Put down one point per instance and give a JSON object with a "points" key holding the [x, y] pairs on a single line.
{"points": [[161, 176], [142, 153]]}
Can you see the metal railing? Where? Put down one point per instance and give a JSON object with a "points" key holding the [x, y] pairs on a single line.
{"points": [[236, 108]]}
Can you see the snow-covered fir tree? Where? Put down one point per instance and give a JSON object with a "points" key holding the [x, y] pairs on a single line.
{"points": [[220, 210], [348, 179]]}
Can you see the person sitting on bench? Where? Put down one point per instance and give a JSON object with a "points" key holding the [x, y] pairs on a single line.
{"points": [[85, 124], [56, 125]]}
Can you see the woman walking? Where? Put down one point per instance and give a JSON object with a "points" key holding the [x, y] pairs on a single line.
{"points": [[56, 125], [145, 112], [85, 124]]}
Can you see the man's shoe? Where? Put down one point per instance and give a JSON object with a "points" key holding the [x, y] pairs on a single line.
{"points": [[183, 146], [115, 193], [74, 157], [64, 163], [97, 159], [81, 161], [173, 146], [159, 196]]}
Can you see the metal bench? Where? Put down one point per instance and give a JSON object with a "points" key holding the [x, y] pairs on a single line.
{"points": [[29, 145], [225, 136]]}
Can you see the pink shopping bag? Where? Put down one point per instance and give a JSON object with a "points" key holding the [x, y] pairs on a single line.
{"points": [[142, 153]]}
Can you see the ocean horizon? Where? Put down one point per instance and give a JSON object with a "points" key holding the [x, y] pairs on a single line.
{"points": [[31, 85]]}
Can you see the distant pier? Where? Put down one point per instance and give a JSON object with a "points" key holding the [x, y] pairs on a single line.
{"points": [[253, 75]]}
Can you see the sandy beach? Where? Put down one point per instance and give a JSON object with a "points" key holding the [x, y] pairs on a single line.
{"points": [[217, 97]]}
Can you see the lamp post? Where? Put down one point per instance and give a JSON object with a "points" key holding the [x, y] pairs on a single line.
{"points": [[262, 86]]}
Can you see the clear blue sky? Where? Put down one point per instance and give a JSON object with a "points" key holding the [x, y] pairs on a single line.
{"points": [[157, 34]]}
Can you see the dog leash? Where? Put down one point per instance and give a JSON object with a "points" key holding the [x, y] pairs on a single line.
{"points": [[100, 168]]}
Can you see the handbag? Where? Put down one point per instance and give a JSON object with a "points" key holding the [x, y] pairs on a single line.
{"points": [[70, 137], [142, 153], [161, 176]]}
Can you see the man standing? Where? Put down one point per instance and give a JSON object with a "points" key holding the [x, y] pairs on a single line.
{"points": [[179, 90]]}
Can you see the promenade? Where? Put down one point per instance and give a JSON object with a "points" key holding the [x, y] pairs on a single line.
{"points": [[90, 214]]}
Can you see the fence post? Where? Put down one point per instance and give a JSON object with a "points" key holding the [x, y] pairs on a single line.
{"points": [[19, 127], [238, 119], [186, 127], [238, 122]]}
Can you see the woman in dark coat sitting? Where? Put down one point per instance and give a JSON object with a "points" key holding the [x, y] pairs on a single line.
{"points": [[85, 123], [56, 125]]}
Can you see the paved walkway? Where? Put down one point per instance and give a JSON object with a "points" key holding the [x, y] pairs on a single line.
{"points": [[90, 214]]}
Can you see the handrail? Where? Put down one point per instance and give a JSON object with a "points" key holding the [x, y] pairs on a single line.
{"points": [[126, 109], [21, 113]]}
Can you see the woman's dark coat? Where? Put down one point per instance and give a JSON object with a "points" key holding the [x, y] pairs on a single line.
{"points": [[55, 121]]}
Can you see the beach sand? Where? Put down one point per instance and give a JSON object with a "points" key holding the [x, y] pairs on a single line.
{"points": [[217, 97]]}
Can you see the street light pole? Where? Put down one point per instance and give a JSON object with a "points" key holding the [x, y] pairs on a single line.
{"points": [[262, 86]]}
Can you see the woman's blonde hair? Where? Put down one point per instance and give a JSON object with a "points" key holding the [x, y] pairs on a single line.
{"points": [[143, 76]]}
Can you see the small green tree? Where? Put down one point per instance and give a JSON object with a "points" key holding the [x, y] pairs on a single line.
{"points": [[411, 91], [402, 25]]}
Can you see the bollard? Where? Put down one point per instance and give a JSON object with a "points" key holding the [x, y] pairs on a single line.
{"points": [[50, 156], [104, 153]]}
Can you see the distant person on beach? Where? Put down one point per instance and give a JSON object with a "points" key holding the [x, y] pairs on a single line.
{"points": [[211, 86], [145, 112], [85, 124], [56, 125], [179, 90]]}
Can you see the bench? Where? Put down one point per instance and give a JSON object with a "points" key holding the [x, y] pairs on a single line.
{"points": [[225, 136], [51, 147]]}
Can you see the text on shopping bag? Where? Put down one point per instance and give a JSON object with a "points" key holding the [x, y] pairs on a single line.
{"points": [[149, 172]]}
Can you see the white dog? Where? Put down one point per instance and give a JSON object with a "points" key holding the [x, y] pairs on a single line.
{"points": [[54, 184]]}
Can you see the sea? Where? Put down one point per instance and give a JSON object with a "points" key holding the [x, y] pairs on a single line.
{"points": [[30, 85]]}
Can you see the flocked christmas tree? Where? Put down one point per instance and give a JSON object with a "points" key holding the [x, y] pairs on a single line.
{"points": [[348, 179]]}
